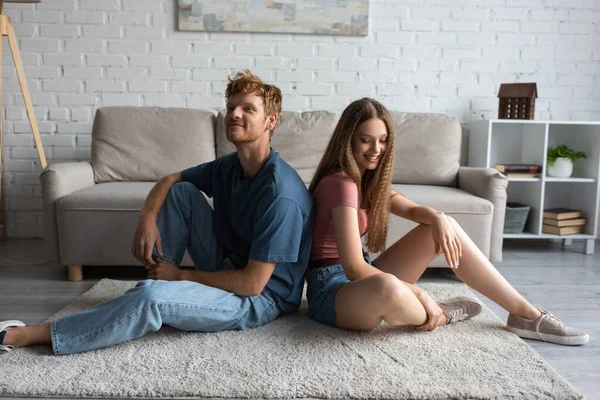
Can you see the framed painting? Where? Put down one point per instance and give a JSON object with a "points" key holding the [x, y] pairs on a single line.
{"points": [[328, 17]]}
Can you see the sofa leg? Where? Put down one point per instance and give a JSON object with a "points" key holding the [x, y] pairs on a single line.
{"points": [[75, 272]]}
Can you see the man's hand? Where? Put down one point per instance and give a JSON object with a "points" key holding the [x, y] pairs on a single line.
{"points": [[164, 271], [146, 237]]}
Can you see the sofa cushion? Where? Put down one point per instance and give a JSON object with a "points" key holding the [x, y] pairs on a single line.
{"points": [[115, 196], [428, 148], [147, 143], [300, 139], [96, 224], [446, 199], [119, 196]]}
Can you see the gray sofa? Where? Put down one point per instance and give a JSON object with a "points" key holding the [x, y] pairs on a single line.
{"points": [[91, 208]]}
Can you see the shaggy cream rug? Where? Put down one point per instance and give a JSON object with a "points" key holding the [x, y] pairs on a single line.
{"points": [[294, 357]]}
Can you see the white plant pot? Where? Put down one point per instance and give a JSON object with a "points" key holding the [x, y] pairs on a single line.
{"points": [[562, 168]]}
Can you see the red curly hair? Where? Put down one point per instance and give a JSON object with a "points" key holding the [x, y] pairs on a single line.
{"points": [[247, 82]]}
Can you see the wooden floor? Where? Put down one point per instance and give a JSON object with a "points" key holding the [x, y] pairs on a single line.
{"points": [[561, 279]]}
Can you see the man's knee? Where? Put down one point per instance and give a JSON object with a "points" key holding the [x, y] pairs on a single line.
{"points": [[151, 292], [183, 190], [187, 193]]}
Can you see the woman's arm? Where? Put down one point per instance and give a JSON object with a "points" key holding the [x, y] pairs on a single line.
{"points": [[444, 236], [347, 238], [408, 209]]}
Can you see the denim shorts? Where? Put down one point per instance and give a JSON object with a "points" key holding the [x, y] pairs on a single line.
{"points": [[323, 284]]}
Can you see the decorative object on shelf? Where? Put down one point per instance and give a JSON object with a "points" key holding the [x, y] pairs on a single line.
{"points": [[565, 230], [521, 175], [515, 217], [562, 221], [523, 168], [7, 29], [560, 160], [561, 213], [341, 17], [520, 170], [517, 100]]}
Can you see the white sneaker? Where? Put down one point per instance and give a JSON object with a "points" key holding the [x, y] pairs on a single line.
{"points": [[8, 324]]}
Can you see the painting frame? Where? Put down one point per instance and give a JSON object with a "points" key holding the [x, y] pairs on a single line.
{"points": [[320, 17]]}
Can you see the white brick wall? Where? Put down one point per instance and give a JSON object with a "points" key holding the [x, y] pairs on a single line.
{"points": [[449, 56]]}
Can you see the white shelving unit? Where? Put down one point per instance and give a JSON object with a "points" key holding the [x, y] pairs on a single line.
{"points": [[526, 142]]}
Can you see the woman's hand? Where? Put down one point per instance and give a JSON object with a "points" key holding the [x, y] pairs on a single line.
{"points": [[436, 316], [446, 240]]}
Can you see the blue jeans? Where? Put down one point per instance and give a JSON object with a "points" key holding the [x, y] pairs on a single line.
{"points": [[185, 221]]}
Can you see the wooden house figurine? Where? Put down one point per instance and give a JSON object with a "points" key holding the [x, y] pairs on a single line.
{"points": [[517, 100]]}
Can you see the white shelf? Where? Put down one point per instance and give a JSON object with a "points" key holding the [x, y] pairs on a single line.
{"points": [[552, 179], [574, 236], [524, 179], [523, 235], [582, 180], [536, 121], [500, 141], [526, 235]]}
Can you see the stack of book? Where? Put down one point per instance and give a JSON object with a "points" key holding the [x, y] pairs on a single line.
{"points": [[520, 170], [562, 221]]}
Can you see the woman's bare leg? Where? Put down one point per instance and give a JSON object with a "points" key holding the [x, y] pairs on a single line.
{"points": [[363, 304], [409, 257], [28, 335]]}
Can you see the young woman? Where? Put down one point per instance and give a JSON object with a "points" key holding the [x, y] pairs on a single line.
{"points": [[353, 197]]}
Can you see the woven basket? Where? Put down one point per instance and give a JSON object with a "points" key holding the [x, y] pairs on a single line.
{"points": [[515, 217]]}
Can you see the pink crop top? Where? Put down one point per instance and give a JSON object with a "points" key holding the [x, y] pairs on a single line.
{"points": [[333, 190]]}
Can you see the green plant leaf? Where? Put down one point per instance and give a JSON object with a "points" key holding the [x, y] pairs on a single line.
{"points": [[562, 150]]}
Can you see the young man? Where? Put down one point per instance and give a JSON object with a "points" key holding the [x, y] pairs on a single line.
{"points": [[250, 253]]}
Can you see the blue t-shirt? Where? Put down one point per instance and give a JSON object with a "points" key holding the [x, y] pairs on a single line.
{"points": [[267, 217]]}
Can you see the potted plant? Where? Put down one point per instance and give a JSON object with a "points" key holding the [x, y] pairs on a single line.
{"points": [[560, 160]]}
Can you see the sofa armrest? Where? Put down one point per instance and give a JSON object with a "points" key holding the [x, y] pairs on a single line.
{"points": [[59, 180], [489, 184]]}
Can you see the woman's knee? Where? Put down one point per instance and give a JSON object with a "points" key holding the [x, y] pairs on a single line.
{"points": [[392, 290], [426, 227], [452, 220]]}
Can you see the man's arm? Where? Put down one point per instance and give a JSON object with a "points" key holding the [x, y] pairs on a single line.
{"points": [[249, 281], [147, 235], [157, 196]]}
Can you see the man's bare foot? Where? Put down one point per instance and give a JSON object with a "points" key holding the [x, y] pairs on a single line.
{"points": [[27, 335]]}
